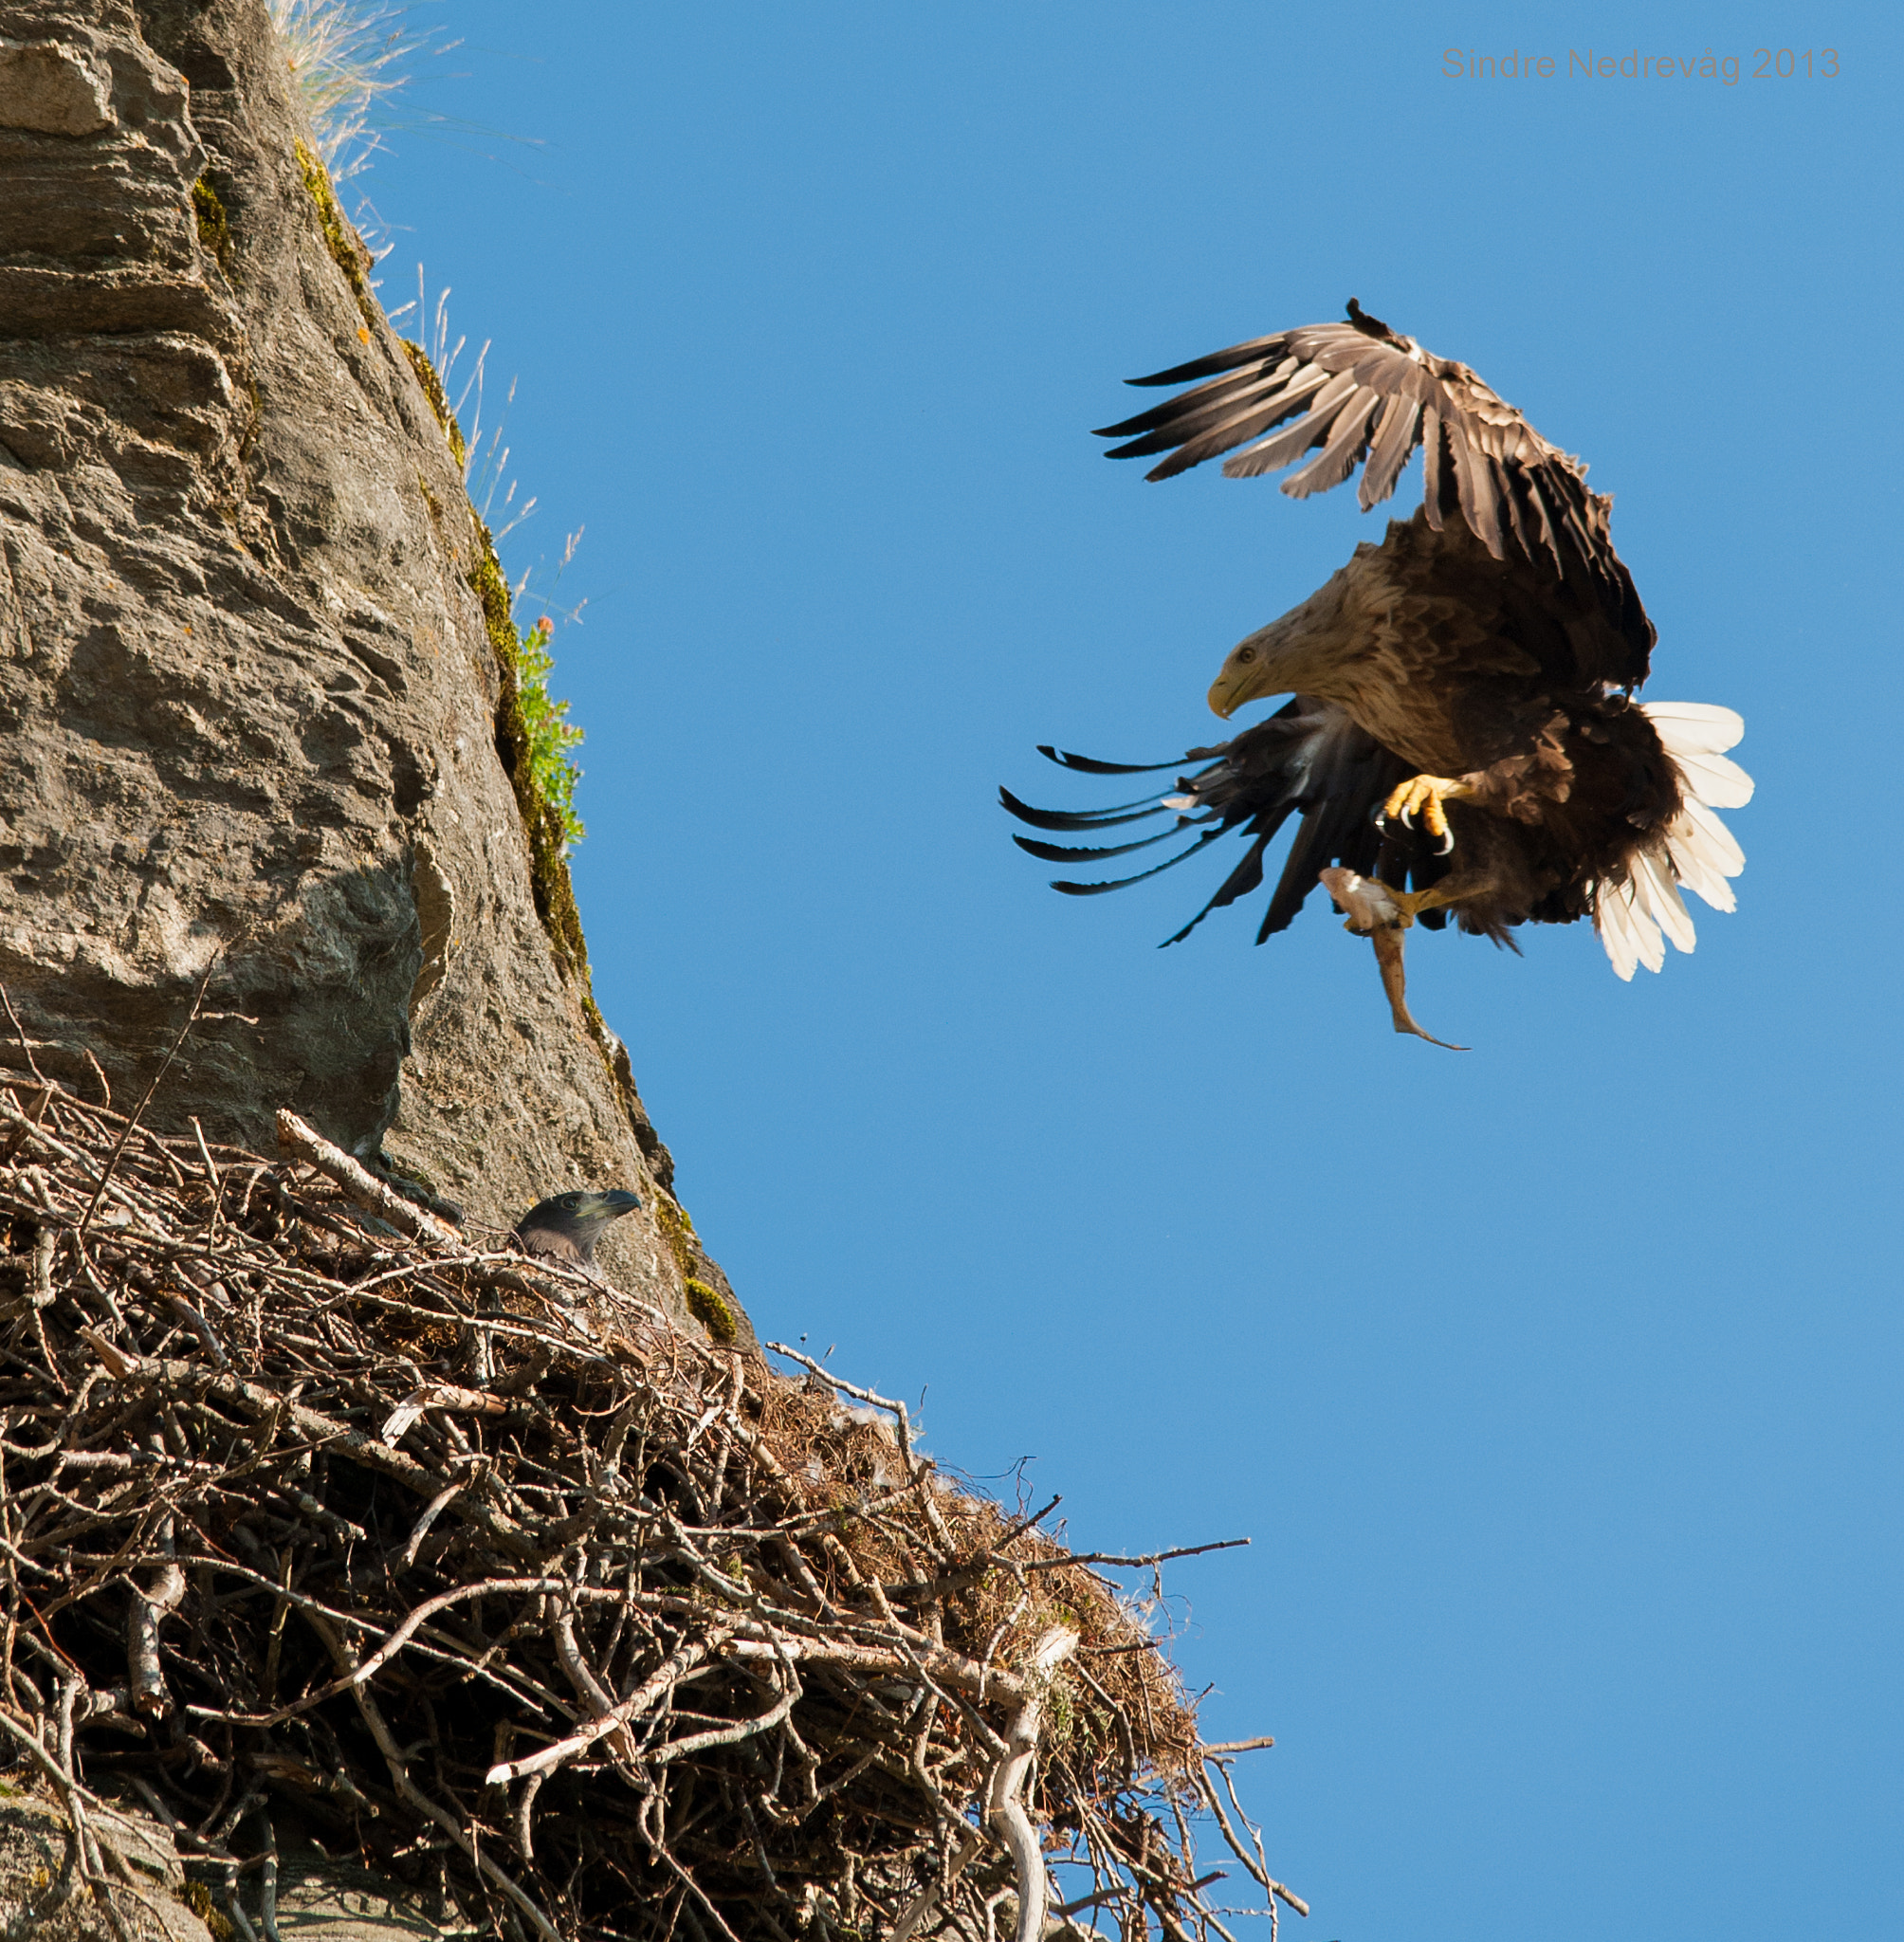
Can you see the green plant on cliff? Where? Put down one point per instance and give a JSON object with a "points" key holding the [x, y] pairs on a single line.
{"points": [[550, 735], [544, 821], [533, 730]]}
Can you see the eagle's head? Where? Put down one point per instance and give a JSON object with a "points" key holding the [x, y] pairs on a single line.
{"points": [[1265, 665], [1305, 653], [568, 1225]]}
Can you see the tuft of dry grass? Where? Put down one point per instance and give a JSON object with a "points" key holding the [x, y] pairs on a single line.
{"points": [[344, 58]]}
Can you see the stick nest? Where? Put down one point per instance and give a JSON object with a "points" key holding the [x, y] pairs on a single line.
{"points": [[316, 1514]]}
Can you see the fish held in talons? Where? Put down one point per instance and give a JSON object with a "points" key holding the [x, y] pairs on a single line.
{"points": [[1382, 914]]}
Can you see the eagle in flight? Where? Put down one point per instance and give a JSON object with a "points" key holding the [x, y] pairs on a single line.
{"points": [[1462, 738]]}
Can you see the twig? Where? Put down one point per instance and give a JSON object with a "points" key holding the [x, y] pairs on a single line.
{"points": [[100, 1073], [1004, 1799], [145, 1097], [926, 1903], [23, 1124], [399, 1773], [268, 1881], [1188, 1550], [295, 1139], [648, 1694], [149, 1695], [1254, 1862], [217, 1195], [20, 1032]]}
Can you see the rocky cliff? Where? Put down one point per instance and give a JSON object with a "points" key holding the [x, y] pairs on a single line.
{"points": [[323, 1532], [259, 728]]}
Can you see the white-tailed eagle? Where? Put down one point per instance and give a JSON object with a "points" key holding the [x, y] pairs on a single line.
{"points": [[1463, 739]]}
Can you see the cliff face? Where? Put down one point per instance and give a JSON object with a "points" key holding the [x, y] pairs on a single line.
{"points": [[253, 718]]}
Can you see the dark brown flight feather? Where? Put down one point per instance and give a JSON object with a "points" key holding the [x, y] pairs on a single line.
{"points": [[1360, 393], [1309, 761]]}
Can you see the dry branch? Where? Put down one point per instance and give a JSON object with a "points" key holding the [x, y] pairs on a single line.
{"points": [[361, 1185], [313, 1517]]}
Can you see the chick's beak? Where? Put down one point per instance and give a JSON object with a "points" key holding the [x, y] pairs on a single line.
{"points": [[609, 1206]]}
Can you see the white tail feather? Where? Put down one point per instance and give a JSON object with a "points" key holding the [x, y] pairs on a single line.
{"points": [[1714, 779], [1695, 727], [1652, 876], [1704, 855], [1634, 918], [1712, 839], [1642, 934], [1613, 919]]}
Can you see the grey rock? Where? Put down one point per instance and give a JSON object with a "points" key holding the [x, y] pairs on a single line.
{"points": [[323, 1899], [137, 1852], [320, 1897], [248, 703], [52, 88]]}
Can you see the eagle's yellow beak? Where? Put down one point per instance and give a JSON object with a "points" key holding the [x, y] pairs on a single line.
{"points": [[1224, 697], [1245, 677]]}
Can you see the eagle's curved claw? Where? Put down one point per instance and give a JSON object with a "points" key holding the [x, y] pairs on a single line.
{"points": [[1424, 796]]}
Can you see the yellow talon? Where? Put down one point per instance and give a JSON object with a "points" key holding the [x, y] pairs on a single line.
{"points": [[1423, 796]]}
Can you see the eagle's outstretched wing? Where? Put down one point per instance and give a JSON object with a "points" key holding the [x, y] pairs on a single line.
{"points": [[1360, 391], [1306, 760]]}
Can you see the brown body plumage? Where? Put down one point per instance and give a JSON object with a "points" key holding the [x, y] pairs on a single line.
{"points": [[1490, 673], [1477, 667]]}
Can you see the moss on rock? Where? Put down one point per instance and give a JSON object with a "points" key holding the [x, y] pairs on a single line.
{"points": [[439, 402], [708, 1305], [346, 246], [214, 229], [711, 1310]]}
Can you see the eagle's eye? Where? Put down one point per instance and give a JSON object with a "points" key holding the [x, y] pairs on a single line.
{"points": [[1245, 655]]}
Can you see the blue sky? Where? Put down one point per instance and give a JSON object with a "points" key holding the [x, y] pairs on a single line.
{"points": [[1557, 1383]]}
